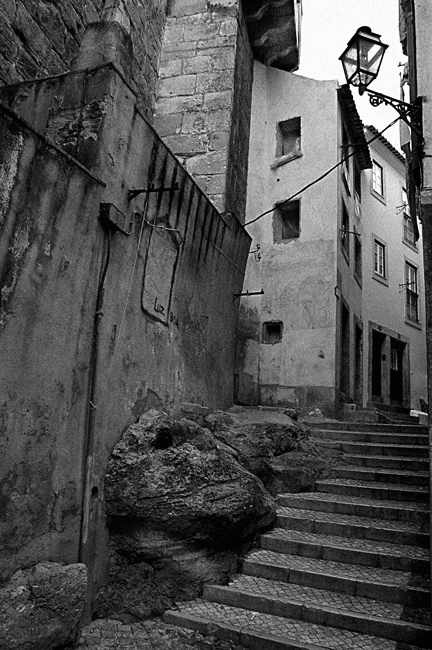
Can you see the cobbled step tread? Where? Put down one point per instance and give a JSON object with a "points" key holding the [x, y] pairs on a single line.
{"points": [[387, 509], [372, 489], [350, 526], [370, 437], [373, 427], [268, 632], [319, 606], [382, 475], [370, 582], [388, 462], [340, 549], [374, 449]]}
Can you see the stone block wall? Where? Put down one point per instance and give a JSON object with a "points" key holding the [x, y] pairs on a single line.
{"points": [[204, 96], [41, 37]]}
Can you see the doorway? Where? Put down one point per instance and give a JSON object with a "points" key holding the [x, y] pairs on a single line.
{"points": [[378, 356], [397, 349], [389, 367]]}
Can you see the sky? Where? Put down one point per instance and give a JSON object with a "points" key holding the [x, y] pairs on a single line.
{"points": [[327, 27]]}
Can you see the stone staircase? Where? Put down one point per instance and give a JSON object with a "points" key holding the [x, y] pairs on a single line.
{"points": [[347, 566]]}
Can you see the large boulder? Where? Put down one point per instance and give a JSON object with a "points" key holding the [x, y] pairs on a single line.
{"points": [[181, 509], [174, 479], [274, 445], [41, 607]]}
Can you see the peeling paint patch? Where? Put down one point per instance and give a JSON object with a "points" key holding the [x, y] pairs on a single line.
{"points": [[20, 243], [8, 173], [66, 126]]}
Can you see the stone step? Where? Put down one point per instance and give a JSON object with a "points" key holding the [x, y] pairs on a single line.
{"points": [[379, 475], [410, 512], [372, 449], [383, 555], [369, 436], [351, 526], [259, 631], [319, 606], [416, 429], [389, 462], [368, 582], [373, 490]]}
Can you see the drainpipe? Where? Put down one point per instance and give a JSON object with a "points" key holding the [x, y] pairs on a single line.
{"points": [[91, 490]]}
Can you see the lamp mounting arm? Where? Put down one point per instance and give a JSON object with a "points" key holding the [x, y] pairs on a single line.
{"points": [[410, 113]]}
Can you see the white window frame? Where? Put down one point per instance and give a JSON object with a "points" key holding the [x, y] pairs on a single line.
{"points": [[379, 260], [412, 292], [378, 178]]}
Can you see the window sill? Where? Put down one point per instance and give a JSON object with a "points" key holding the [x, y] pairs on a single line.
{"points": [[278, 162], [380, 197], [413, 247], [381, 280], [413, 323]]}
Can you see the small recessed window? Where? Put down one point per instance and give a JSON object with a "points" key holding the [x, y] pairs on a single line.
{"points": [[272, 332], [380, 259], [286, 221], [408, 229], [357, 256], [344, 233], [412, 294], [377, 178], [288, 141], [357, 183]]}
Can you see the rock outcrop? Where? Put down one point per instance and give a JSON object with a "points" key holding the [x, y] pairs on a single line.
{"points": [[41, 607], [273, 445], [180, 509]]}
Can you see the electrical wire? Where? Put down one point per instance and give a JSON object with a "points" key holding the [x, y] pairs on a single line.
{"points": [[320, 178]]}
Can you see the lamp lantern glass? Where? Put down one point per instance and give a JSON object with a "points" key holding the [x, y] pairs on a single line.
{"points": [[362, 58]]}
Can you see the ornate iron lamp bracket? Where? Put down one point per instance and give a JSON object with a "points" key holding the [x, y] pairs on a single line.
{"points": [[409, 113]]}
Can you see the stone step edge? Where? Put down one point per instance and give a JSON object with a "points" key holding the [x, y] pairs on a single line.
{"points": [[389, 628], [236, 634], [326, 498], [251, 639], [376, 531], [381, 471], [344, 555], [368, 523], [382, 590]]}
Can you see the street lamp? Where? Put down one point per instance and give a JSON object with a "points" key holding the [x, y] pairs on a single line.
{"points": [[361, 62]]}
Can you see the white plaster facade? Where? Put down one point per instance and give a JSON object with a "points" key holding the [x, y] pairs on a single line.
{"points": [[311, 359]]}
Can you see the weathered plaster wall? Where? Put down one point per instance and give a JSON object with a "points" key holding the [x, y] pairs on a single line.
{"points": [[157, 294], [204, 96], [298, 277], [50, 254], [40, 38]]}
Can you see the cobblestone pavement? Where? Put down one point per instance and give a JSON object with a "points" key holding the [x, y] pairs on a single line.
{"points": [[108, 634]]}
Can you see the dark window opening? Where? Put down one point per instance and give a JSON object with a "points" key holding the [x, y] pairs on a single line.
{"points": [[357, 256], [357, 182], [272, 332], [286, 221], [345, 231], [288, 138]]}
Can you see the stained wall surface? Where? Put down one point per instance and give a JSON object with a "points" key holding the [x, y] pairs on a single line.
{"points": [[298, 275], [101, 318]]}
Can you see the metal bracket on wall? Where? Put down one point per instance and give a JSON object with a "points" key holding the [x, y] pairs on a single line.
{"points": [[108, 213], [135, 192], [248, 293]]}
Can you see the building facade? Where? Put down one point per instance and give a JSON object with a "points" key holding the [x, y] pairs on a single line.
{"points": [[314, 338]]}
